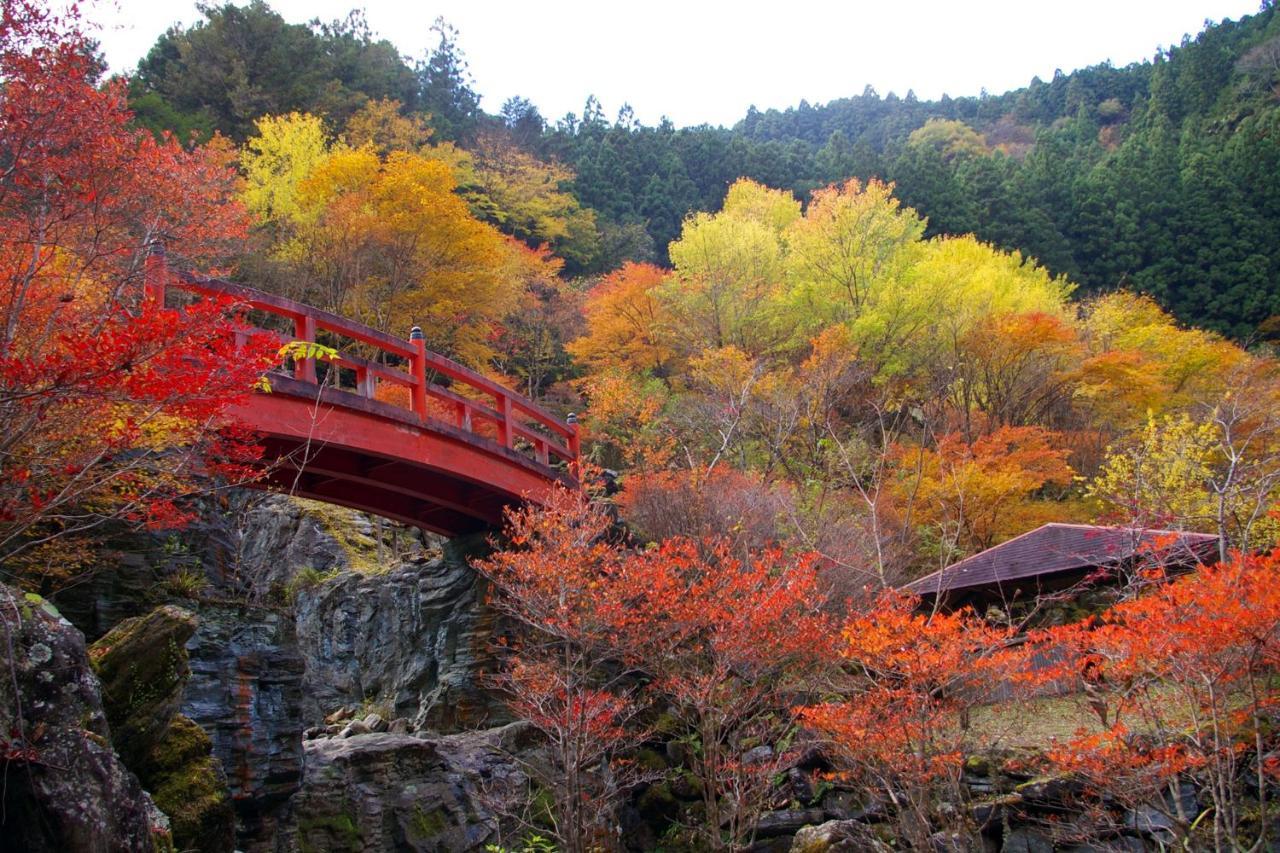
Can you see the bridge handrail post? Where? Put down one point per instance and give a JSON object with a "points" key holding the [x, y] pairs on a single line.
{"points": [[155, 273], [418, 368], [575, 446], [506, 432], [304, 329]]}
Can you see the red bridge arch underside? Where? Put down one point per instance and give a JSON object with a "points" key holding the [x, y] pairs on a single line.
{"points": [[340, 448], [463, 450]]}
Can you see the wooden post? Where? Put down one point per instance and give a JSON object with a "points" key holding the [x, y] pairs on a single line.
{"points": [[155, 273], [366, 382], [304, 329], [506, 435], [418, 367], [575, 446]]}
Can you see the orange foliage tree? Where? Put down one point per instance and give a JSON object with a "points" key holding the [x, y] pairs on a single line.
{"points": [[107, 398], [1184, 678], [903, 728], [564, 584], [626, 322], [723, 642], [966, 497]]}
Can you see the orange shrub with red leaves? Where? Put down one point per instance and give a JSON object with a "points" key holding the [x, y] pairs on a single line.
{"points": [[903, 729], [724, 642]]}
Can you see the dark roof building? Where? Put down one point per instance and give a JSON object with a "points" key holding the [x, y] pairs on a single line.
{"points": [[1057, 557]]}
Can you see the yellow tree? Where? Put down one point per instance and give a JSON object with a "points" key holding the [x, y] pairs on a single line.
{"points": [[277, 159], [382, 125], [915, 323], [1159, 476], [950, 138], [396, 246], [1186, 362], [1217, 471], [851, 238], [729, 273], [527, 198]]}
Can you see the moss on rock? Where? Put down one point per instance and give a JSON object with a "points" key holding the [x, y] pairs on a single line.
{"points": [[187, 783], [142, 664]]}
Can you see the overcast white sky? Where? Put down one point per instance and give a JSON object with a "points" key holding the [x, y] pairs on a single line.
{"points": [[708, 60]]}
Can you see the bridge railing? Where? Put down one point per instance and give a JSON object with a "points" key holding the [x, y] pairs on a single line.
{"points": [[469, 402]]}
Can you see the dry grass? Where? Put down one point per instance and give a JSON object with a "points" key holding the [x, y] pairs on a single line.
{"points": [[1032, 723]]}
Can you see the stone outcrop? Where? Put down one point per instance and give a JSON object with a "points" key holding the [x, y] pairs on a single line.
{"points": [[65, 788], [838, 836], [143, 666], [411, 641], [245, 691], [188, 785], [383, 791]]}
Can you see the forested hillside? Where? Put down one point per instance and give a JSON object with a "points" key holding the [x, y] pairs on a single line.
{"points": [[1154, 177]]}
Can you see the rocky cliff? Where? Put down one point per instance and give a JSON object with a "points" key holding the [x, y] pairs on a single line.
{"points": [[411, 642]]}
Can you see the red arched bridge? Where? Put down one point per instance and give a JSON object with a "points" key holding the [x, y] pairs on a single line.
{"points": [[400, 431]]}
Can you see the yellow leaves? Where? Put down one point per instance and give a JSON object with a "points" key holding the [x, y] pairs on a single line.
{"points": [[950, 138], [299, 350], [1184, 362], [1160, 476], [526, 198], [380, 125], [729, 273], [949, 289], [727, 369], [396, 245], [850, 240], [754, 202], [626, 412], [277, 160]]}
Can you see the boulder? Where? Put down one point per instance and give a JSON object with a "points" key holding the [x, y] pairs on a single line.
{"points": [[1025, 840], [838, 836], [383, 791], [142, 664], [787, 822], [188, 785], [65, 788]]}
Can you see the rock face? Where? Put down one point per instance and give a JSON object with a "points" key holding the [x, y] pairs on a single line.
{"points": [[267, 539], [398, 792], [245, 690], [412, 641], [65, 789]]}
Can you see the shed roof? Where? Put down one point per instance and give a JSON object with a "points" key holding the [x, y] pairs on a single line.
{"points": [[1061, 548]]}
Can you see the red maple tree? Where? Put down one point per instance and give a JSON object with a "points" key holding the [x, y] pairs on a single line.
{"points": [[110, 404]]}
